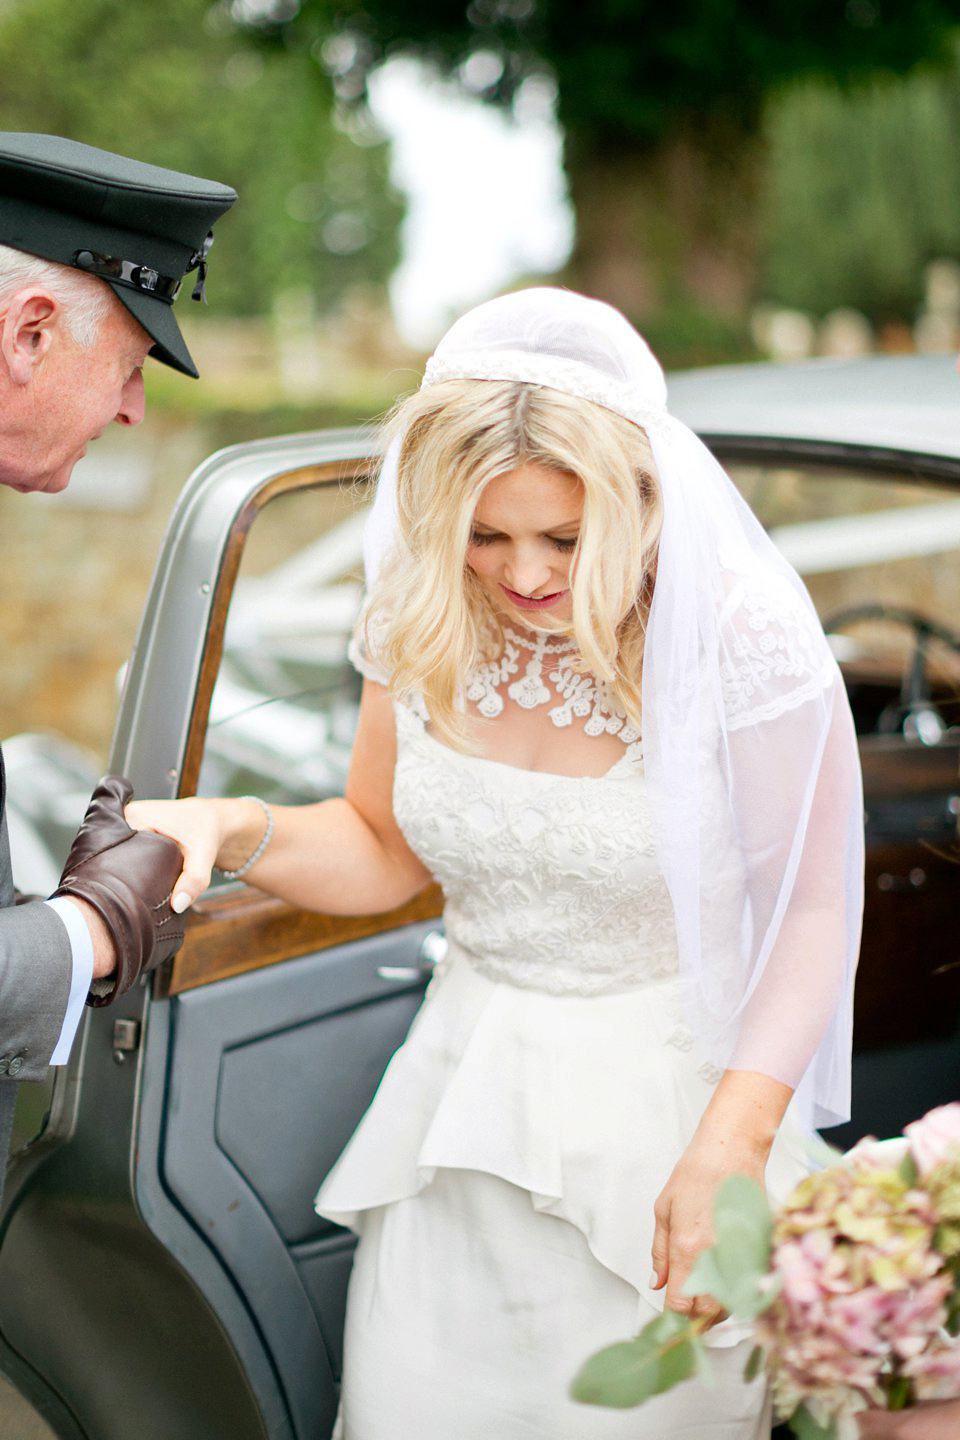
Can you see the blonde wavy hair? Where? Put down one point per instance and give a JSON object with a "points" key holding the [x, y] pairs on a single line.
{"points": [[429, 621]]}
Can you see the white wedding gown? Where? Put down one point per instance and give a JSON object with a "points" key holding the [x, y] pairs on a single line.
{"points": [[503, 1180]]}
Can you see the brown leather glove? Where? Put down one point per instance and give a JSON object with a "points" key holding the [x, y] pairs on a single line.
{"points": [[127, 876]]}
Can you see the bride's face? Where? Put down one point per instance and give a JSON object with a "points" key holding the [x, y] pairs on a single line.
{"points": [[525, 528]]}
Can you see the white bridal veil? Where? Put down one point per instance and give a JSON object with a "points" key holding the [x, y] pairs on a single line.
{"points": [[743, 706]]}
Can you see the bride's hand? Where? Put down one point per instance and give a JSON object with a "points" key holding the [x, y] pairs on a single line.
{"points": [[929, 1420], [684, 1219], [196, 826], [733, 1137]]}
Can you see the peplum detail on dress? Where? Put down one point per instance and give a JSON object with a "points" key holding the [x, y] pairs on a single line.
{"points": [[550, 1050]]}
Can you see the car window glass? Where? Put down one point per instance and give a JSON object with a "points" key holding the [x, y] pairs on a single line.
{"points": [[284, 706], [880, 555]]}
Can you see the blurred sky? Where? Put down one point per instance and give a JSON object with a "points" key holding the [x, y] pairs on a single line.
{"points": [[486, 194]]}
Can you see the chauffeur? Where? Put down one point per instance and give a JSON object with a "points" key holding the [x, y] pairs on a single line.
{"points": [[93, 248]]}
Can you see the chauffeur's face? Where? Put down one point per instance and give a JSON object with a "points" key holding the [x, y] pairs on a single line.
{"points": [[71, 395]]}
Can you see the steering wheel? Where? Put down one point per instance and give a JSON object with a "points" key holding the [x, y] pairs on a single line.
{"points": [[914, 685]]}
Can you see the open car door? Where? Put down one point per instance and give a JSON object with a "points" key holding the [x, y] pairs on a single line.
{"points": [[162, 1270]]}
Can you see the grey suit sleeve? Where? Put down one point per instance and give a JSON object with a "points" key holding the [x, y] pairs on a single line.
{"points": [[36, 967]]}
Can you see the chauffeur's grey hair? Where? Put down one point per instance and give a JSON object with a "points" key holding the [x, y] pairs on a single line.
{"points": [[85, 299]]}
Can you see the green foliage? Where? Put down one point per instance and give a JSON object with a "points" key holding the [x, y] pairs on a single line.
{"points": [[683, 333], [638, 82], [953, 1303], [804, 1426], [907, 1170], [623, 1375], [863, 191], [177, 84], [754, 1363], [626, 68], [733, 1268], [900, 1392]]}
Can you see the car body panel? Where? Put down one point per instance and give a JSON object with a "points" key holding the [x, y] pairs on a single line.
{"points": [[146, 1192], [881, 409]]}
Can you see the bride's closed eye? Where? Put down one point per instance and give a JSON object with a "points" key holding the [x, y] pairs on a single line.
{"points": [[488, 537]]}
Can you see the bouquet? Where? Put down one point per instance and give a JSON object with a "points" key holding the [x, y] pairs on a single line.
{"points": [[853, 1288]]}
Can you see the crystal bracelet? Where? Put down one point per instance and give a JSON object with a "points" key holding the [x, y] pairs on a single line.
{"points": [[251, 860]]}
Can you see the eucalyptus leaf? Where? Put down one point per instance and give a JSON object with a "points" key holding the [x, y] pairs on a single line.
{"points": [[733, 1270], [754, 1365], [629, 1372], [619, 1376], [704, 1368], [907, 1170], [706, 1278], [742, 1206], [804, 1426], [679, 1363]]}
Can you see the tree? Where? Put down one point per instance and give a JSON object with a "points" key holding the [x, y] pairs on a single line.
{"points": [[864, 192], [661, 106], [177, 84]]}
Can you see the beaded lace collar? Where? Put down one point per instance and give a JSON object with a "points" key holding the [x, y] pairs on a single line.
{"points": [[548, 676]]}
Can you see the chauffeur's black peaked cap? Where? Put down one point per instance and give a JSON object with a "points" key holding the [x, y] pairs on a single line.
{"points": [[138, 227]]}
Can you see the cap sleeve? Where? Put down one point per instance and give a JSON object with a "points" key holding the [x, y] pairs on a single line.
{"points": [[773, 653]]}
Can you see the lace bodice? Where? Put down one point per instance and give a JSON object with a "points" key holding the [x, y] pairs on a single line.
{"points": [[551, 881]]}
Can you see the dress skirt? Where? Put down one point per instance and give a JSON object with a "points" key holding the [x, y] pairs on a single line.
{"points": [[502, 1184], [469, 1313], [503, 1180]]}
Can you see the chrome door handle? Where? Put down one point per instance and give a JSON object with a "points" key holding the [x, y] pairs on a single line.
{"points": [[433, 949]]}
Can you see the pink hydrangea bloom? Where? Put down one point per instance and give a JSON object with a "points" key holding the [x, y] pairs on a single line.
{"points": [[935, 1138], [936, 1372], [863, 1289]]}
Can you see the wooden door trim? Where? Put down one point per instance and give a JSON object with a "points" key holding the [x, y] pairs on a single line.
{"points": [[243, 930]]}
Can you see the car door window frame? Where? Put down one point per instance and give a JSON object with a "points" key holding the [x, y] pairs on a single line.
{"points": [[180, 645]]}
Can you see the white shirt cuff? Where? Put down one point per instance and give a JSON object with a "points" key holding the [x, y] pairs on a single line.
{"points": [[81, 947]]}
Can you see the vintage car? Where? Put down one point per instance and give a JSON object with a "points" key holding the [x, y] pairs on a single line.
{"points": [[162, 1270]]}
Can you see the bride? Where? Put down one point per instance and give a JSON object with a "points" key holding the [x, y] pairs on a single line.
{"points": [[599, 709]]}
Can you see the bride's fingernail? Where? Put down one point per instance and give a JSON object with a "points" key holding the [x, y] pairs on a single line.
{"points": [[654, 1280], [180, 902]]}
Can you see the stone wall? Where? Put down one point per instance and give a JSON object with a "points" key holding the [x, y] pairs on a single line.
{"points": [[74, 575]]}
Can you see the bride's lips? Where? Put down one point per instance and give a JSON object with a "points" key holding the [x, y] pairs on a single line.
{"points": [[527, 602]]}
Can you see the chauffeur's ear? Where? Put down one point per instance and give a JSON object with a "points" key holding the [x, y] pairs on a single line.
{"points": [[27, 327]]}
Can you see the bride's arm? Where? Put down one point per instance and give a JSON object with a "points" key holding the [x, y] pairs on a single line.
{"points": [[796, 798], [342, 856]]}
